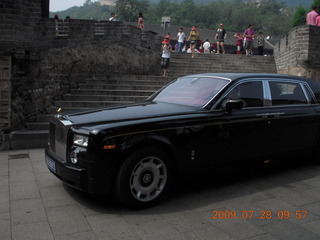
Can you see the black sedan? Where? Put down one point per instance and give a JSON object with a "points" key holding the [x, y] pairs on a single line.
{"points": [[137, 150]]}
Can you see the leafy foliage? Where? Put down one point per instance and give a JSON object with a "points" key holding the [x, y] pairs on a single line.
{"points": [[316, 3], [272, 17], [236, 15], [299, 17], [90, 10], [128, 10]]}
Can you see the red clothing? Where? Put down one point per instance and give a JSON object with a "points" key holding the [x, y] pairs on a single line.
{"points": [[249, 33], [311, 17], [140, 23]]}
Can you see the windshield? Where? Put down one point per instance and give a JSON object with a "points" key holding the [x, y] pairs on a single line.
{"points": [[191, 91]]}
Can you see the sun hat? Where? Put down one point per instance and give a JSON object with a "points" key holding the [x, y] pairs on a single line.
{"points": [[193, 28]]}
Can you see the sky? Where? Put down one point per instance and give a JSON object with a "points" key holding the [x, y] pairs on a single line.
{"points": [[59, 5]]}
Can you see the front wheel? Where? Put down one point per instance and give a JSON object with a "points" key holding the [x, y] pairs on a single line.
{"points": [[143, 178]]}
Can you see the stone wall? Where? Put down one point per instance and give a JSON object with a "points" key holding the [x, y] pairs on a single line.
{"points": [[5, 97], [18, 19], [297, 53], [58, 60], [49, 57]]}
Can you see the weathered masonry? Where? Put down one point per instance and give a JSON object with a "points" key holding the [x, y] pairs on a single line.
{"points": [[41, 58], [5, 96], [51, 56], [298, 52]]}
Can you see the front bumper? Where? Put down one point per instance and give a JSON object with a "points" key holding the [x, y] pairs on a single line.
{"points": [[77, 177]]}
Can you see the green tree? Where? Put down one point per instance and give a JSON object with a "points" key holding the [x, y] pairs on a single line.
{"points": [[87, 2], [299, 17], [128, 10], [316, 3]]}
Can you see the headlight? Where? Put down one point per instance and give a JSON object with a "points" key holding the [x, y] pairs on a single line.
{"points": [[80, 140]]}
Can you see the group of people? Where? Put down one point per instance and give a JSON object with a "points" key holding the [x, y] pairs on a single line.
{"points": [[313, 17], [244, 40]]}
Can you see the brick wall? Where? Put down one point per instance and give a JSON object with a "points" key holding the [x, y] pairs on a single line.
{"points": [[67, 52], [52, 56], [5, 97], [297, 53]]}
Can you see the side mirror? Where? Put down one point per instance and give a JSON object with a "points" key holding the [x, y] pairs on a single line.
{"points": [[233, 104]]}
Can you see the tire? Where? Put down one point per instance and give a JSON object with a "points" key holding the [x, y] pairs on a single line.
{"points": [[143, 179]]}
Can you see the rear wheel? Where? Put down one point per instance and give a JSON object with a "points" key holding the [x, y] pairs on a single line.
{"points": [[143, 178]]}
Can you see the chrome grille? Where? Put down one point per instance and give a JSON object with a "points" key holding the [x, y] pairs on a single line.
{"points": [[58, 138]]}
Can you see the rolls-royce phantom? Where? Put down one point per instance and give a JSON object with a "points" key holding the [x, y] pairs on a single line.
{"points": [[135, 151]]}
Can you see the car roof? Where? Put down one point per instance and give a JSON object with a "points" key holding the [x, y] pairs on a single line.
{"points": [[239, 76], [315, 86]]}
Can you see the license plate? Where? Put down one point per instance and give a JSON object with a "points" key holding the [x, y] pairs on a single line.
{"points": [[51, 164]]}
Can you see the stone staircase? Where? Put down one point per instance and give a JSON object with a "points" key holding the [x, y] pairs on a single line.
{"points": [[102, 91], [105, 91], [182, 64]]}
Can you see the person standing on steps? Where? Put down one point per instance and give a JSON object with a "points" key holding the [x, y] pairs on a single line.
{"points": [[240, 39], [260, 43], [221, 35], [194, 37], [165, 58], [312, 16], [140, 21], [181, 37], [206, 46], [113, 17], [249, 35]]}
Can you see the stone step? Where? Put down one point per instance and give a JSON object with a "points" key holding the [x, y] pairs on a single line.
{"points": [[46, 117], [38, 126], [254, 68], [53, 110], [94, 97], [99, 85], [122, 81], [27, 139], [197, 71], [130, 78], [87, 104], [224, 60], [111, 92]]}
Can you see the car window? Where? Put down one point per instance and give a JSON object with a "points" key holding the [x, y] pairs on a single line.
{"points": [[309, 94], [191, 91], [285, 93], [250, 93]]}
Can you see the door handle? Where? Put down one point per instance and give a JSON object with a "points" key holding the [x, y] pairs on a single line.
{"points": [[276, 114]]}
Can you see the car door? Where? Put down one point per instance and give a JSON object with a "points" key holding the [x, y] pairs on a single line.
{"points": [[294, 117], [242, 134]]}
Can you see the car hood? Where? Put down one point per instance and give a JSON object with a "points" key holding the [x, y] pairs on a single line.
{"points": [[127, 113]]}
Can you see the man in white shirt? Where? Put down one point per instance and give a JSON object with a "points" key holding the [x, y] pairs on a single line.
{"points": [[206, 46], [181, 38], [113, 17]]}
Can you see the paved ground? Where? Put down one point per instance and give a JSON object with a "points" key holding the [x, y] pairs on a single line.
{"points": [[36, 205]]}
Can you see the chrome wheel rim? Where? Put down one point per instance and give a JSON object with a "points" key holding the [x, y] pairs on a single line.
{"points": [[148, 179]]}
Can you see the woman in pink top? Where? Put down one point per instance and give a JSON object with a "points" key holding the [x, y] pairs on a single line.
{"points": [[312, 16], [249, 35], [318, 21]]}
